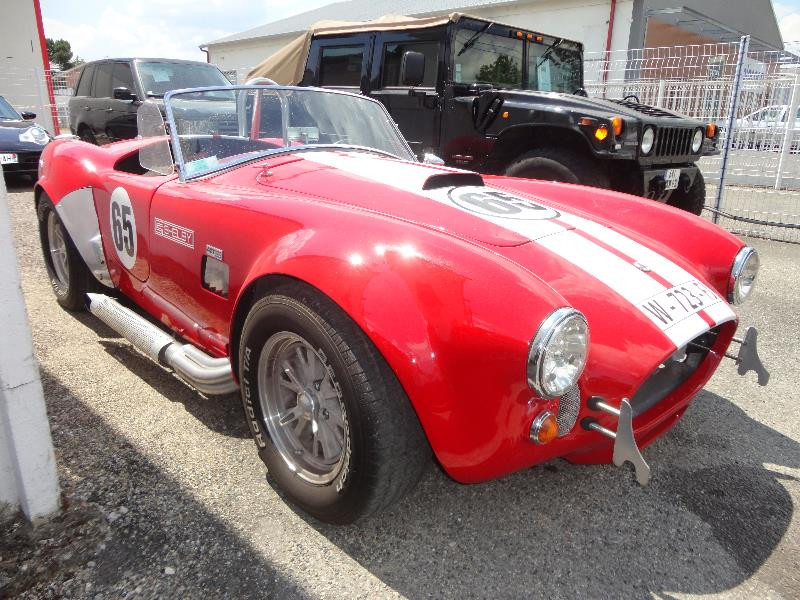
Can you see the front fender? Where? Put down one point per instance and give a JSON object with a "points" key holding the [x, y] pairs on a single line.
{"points": [[452, 319]]}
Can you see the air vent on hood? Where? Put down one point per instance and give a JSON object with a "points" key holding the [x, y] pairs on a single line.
{"points": [[441, 180]]}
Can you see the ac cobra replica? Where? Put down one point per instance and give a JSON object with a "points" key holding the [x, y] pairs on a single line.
{"points": [[374, 311]]}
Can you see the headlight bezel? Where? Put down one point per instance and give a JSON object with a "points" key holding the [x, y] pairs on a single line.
{"points": [[550, 327], [649, 129], [34, 135], [697, 136], [746, 257]]}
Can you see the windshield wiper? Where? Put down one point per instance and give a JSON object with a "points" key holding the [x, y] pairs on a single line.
{"points": [[548, 51], [471, 41]]}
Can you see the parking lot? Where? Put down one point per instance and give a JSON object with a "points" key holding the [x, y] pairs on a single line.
{"points": [[168, 490]]}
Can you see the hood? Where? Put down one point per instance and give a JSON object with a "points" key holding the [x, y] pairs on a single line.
{"points": [[598, 269]]}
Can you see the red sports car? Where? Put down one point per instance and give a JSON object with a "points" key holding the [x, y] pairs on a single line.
{"points": [[374, 311]]}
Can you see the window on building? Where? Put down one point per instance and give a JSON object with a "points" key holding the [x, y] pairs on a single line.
{"points": [[341, 66], [393, 56]]}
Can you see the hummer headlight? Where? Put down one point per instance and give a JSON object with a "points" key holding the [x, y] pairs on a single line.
{"points": [[743, 275], [648, 137], [558, 352], [697, 141]]}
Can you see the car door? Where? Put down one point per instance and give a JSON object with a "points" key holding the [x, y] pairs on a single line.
{"points": [[121, 119], [417, 110], [342, 62], [100, 104]]}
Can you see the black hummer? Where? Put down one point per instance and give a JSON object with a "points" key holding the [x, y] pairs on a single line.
{"points": [[497, 99]]}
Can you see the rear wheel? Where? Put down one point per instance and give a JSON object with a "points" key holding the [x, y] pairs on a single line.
{"points": [[332, 423], [559, 164], [68, 274], [691, 200]]}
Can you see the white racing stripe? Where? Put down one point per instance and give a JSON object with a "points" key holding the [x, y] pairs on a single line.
{"points": [[536, 222]]}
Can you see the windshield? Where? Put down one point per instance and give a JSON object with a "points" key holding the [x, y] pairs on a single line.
{"points": [[214, 129], [158, 78], [7, 113], [489, 53]]}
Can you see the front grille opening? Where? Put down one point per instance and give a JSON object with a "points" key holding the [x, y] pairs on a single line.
{"points": [[568, 407], [673, 141], [673, 372]]}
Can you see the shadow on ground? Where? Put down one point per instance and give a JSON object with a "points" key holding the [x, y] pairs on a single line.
{"points": [[710, 518], [161, 526]]}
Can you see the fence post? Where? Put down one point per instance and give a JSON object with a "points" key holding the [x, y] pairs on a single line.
{"points": [[788, 137], [733, 106], [660, 93]]}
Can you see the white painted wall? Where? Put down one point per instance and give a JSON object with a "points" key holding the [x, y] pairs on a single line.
{"points": [[585, 21], [28, 478], [22, 70]]}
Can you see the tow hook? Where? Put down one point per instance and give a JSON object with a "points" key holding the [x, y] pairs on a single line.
{"points": [[747, 359], [625, 448]]}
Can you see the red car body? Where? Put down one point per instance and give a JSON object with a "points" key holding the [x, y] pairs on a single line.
{"points": [[451, 299]]}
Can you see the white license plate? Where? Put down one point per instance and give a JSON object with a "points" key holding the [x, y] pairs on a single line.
{"points": [[675, 304], [672, 176], [7, 159]]}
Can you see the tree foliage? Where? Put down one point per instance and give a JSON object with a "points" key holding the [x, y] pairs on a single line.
{"points": [[503, 70], [59, 52]]}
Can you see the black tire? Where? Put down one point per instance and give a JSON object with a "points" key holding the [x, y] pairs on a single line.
{"points": [[86, 135], [387, 451], [559, 164], [70, 294], [692, 200]]}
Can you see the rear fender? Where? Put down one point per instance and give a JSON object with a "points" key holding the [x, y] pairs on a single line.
{"points": [[427, 308]]}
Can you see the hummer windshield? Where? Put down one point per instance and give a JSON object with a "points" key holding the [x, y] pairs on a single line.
{"points": [[495, 54]]}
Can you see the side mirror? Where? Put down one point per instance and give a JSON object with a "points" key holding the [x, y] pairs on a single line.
{"points": [[412, 68], [27, 115], [123, 93], [432, 159]]}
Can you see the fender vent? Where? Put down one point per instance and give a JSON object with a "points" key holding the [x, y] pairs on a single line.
{"points": [[568, 407], [441, 180]]}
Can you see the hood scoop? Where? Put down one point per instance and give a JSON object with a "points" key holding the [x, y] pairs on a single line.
{"points": [[447, 180]]}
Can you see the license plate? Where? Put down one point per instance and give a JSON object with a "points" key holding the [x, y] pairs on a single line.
{"points": [[675, 304], [7, 159], [672, 176]]}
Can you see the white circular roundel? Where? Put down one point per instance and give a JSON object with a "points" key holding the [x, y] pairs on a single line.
{"points": [[496, 203], [123, 227]]}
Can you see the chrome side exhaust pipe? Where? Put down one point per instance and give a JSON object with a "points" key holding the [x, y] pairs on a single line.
{"points": [[205, 373]]}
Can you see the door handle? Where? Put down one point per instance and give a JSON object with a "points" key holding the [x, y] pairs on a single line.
{"points": [[85, 108], [109, 110]]}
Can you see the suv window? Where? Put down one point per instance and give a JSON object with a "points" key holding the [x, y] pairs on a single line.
{"points": [[393, 55], [158, 78], [341, 66], [121, 76], [85, 84], [102, 81]]}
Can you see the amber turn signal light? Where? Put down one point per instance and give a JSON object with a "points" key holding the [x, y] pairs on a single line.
{"points": [[616, 125], [519, 34], [544, 428], [601, 133], [711, 130]]}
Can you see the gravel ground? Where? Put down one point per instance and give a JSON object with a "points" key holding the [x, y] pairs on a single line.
{"points": [[167, 497]]}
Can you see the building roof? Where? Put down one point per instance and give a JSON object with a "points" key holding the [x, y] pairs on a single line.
{"points": [[354, 10]]}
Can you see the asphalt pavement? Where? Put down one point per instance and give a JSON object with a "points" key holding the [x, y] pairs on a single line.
{"points": [[167, 487]]}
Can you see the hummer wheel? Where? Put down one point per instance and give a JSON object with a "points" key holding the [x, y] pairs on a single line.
{"points": [[692, 200], [558, 164]]}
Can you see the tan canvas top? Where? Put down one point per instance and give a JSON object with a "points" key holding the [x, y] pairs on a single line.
{"points": [[287, 64]]}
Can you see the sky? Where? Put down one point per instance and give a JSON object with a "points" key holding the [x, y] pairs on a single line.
{"points": [[175, 28]]}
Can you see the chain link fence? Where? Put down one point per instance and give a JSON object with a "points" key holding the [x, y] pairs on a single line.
{"points": [[753, 185]]}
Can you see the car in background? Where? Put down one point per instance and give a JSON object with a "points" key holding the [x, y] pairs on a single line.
{"points": [[21, 141], [764, 129], [109, 92]]}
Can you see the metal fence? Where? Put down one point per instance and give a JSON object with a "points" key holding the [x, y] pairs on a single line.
{"points": [[753, 185]]}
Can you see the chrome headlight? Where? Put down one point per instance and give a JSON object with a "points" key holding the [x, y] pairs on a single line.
{"points": [[558, 352], [743, 275], [34, 135], [648, 137], [697, 141]]}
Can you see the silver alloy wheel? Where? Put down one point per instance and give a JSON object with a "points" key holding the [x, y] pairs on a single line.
{"points": [[57, 243], [303, 408]]}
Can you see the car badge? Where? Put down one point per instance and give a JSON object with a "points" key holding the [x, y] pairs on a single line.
{"points": [[642, 267]]}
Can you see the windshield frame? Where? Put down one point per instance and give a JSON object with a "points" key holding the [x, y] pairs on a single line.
{"points": [[14, 111], [177, 153], [498, 29]]}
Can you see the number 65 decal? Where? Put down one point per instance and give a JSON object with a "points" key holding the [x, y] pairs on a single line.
{"points": [[123, 227]]}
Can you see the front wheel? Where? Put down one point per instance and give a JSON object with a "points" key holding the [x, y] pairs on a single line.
{"points": [[559, 164], [332, 423], [691, 200], [68, 274]]}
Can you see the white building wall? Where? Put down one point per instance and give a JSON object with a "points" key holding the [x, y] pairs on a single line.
{"points": [[22, 70], [584, 21]]}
